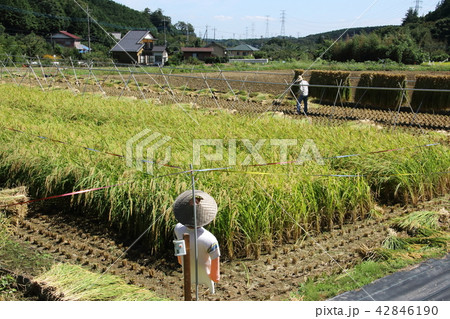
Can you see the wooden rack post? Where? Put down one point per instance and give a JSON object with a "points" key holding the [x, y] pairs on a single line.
{"points": [[187, 269]]}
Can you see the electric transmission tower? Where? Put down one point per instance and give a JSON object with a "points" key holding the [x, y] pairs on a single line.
{"points": [[283, 20], [205, 36], [418, 6], [267, 27]]}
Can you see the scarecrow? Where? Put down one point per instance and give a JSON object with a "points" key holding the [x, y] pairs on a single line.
{"points": [[208, 251]]}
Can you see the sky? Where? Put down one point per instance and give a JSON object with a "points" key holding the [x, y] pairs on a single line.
{"points": [[241, 19]]}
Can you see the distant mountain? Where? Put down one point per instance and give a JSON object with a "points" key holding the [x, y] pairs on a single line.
{"points": [[48, 16], [43, 17]]}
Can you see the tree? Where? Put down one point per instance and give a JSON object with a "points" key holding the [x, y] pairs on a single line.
{"points": [[441, 31], [442, 11], [54, 19], [160, 21], [34, 45], [184, 28], [412, 16], [17, 16]]}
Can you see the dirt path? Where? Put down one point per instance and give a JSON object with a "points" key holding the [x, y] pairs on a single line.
{"points": [[273, 276]]}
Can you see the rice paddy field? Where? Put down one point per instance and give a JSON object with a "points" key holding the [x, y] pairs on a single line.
{"points": [[250, 218], [55, 142]]}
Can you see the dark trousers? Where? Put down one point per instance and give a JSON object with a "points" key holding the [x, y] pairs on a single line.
{"points": [[303, 98]]}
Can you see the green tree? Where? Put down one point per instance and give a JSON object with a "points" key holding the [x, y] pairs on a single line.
{"points": [[412, 16], [17, 16], [54, 18], [34, 45], [441, 31]]}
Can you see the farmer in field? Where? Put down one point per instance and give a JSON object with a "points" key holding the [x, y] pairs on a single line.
{"points": [[303, 95], [207, 245]]}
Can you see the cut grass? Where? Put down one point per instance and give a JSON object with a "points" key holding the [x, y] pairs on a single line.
{"points": [[75, 283], [425, 223]]}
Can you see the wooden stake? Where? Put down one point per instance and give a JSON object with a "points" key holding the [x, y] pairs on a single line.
{"points": [[187, 270]]}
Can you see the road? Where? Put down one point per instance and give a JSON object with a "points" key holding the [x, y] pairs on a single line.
{"points": [[429, 281]]}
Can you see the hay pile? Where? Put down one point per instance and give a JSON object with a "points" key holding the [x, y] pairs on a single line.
{"points": [[13, 196]]}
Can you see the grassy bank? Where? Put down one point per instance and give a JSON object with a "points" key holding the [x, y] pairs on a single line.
{"points": [[248, 220], [363, 274], [414, 238]]}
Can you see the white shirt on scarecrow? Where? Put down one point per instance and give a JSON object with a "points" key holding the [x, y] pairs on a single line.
{"points": [[208, 255]]}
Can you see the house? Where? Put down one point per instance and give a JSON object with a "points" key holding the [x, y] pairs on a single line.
{"points": [[197, 53], [69, 40], [138, 46], [160, 54], [218, 50], [242, 50]]}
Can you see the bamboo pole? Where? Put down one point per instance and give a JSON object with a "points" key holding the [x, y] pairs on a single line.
{"points": [[195, 232]]}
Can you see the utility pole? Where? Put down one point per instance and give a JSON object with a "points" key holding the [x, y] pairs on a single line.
{"points": [[89, 27], [165, 39], [283, 20]]}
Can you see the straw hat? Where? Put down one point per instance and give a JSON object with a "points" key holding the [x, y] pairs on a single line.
{"points": [[183, 208]]}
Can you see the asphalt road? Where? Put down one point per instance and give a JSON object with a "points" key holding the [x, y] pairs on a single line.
{"points": [[428, 281]]}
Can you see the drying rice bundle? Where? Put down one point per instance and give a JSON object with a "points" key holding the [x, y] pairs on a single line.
{"points": [[431, 101], [14, 196], [390, 98], [328, 95]]}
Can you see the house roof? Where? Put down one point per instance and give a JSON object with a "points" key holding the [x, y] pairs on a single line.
{"points": [[197, 49], [243, 47], [131, 42], [157, 48], [214, 44], [70, 35]]}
